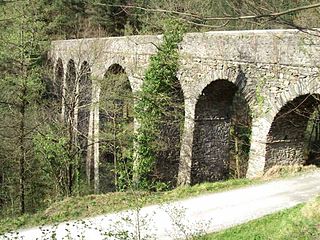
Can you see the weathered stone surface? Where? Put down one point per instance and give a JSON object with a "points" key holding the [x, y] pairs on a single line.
{"points": [[271, 67]]}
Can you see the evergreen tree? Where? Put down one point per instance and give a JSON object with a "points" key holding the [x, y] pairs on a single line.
{"points": [[21, 48]]}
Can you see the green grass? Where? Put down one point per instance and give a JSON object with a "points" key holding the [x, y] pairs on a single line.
{"points": [[87, 206], [301, 222]]}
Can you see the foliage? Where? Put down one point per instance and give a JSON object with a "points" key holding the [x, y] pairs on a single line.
{"points": [[51, 150], [156, 101], [114, 20], [83, 18], [116, 137], [64, 19], [240, 134], [21, 46]]}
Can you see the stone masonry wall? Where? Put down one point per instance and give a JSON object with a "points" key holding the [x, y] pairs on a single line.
{"points": [[272, 67], [211, 145], [286, 141]]}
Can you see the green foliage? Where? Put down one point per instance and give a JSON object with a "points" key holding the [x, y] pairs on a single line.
{"points": [[156, 98], [51, 151], [259, 97], [41, 160], [113, 19], [240, 133], [116, 115], [64, 19], [21, 46]]}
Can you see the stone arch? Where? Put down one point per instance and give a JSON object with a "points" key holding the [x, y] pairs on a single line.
{"points": [[211, 137], [286, 139], [272, 104], [127, 69], [116, 124]]}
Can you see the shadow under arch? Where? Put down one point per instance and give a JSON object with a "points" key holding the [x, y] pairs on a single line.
{"points": [[287, 141], [221, 114], [84, 105], [58, 79], [116, 127], [69, 93]]}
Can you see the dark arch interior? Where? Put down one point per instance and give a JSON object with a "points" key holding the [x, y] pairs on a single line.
{"points": [[116, 126], [70, 89], [71, 75], [219, 105], [84, 103], [58, 83], [287, 143]]}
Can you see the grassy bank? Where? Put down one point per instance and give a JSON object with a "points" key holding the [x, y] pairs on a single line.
{"points": [[81, 207], [301, 222], [74, 208]]}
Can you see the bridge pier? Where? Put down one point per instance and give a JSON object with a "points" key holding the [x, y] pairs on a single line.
{"points": [[260, 128], [184, 175]]}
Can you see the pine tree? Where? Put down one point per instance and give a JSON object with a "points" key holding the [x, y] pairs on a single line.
{"points": [[21, 49]]}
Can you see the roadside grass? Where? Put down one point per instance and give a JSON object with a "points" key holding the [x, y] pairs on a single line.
{"points": [[301, 222], [74, 208]]}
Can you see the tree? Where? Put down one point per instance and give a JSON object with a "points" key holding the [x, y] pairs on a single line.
{"points": [[21, 48], [116, 136]]}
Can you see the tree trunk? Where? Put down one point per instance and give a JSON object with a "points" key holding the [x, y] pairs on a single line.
{"points": [[96, 143], [90, 147], [22, 154]]}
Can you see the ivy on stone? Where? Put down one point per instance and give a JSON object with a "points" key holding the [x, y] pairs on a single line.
{"points": [[155, 100]]}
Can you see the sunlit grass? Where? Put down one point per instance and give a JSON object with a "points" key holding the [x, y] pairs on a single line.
{"points": [[301, 222]]}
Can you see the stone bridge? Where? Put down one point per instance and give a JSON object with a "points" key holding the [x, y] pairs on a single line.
{"points": [[277, 72]]}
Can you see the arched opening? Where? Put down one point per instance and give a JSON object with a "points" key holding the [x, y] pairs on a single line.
{"points": [[292, 135], [221, 134], [70, 90], [116, 129], [85, 98], [84, 118], [58, 80]]}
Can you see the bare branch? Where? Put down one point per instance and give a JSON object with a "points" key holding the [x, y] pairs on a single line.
{"points": [[225, 18]]}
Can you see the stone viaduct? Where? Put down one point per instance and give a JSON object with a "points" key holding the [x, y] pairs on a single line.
{"points": [[277, 71]]}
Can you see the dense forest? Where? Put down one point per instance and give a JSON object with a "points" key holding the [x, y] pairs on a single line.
{"points": [[41, 157]]}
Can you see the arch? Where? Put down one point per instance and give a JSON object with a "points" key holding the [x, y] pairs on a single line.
{"points": [[116, 125], [215, 113], [286, 139]]}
